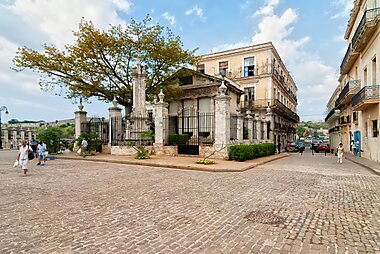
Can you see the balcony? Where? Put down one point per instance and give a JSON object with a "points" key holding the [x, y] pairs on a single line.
{"points": [[363, 33], [368, 96], [334, 129], [257, 104], [332, 115], [281, 109], [350, 89]]}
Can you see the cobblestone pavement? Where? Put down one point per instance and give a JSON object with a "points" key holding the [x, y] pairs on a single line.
{"points": [[300, 204]]}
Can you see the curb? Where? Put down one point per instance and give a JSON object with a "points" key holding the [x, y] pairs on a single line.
{"points": [[376, 172], [194, 168]]}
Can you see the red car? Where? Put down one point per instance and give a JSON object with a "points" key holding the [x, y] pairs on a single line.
{"points": [[322, 147]]}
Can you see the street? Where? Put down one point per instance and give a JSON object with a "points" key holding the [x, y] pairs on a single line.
{"points": [[300, 204]]}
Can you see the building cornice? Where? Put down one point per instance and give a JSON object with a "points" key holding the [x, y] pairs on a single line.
{"points": [[353, 15]]}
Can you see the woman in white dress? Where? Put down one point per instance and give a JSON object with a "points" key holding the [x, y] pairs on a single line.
{"points": [[22, 156]]}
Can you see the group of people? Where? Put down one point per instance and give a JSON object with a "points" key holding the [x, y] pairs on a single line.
{"points": [[27, 152]]}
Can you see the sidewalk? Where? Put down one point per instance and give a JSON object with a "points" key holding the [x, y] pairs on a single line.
{"points": [[178, 162], [371, 165]]}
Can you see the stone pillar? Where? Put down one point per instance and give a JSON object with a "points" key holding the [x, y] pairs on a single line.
{"points": [[258, 127], [270, 119], [240, 127], [139, 116], [80, 119], [115, 122], [250, 126], [22, 135], [161, 121], [29, 134], [5, 141], [14, 137], [222, 117]]}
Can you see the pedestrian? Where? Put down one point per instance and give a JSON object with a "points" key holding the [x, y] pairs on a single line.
{"points": [[22, 156], [340, 151], [301, 149], [11, 144], [352, 145], [41, 151], [357, 146], [279, 147], [84, 147]]}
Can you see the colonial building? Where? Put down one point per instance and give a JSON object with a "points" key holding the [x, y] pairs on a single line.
{"points": [[356, 99], [267, 85]]}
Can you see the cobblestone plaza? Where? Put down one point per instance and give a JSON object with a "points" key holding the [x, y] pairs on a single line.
{"points": [[300, 204]]}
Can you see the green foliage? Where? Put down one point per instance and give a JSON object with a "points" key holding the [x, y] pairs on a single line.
{"points": [[178, 139], [149, 134], [51, 137], [14, 121], [100, 63], [251, 151], [301, 131], [142, 153], [70, 146], [205, 162], [93, 141]]}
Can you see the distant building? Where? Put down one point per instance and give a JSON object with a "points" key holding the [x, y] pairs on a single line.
{"points": [[354, 105], [267, 84]]}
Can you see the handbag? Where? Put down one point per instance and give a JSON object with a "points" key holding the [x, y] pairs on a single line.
{"points": [[30, 154]]}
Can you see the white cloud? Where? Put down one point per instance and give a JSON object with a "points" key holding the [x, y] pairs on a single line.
{"points": [[59, 18], [344, 6], [267, 8], [169, 18], [196, 10]]}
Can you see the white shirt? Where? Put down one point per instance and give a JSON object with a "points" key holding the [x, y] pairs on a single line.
{"points": [[84, 143], [23, 151]]}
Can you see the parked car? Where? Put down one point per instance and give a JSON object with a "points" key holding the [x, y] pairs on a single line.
{"points": [[291, 147], [322, 147]]}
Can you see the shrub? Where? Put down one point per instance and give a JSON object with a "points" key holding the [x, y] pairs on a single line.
{"points": [[70, 146], [178, 139], [141, 153], [251, 151], [94, 143]]}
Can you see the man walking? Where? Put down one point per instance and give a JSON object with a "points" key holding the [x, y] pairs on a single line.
{"points": [[340, 153], [84, 147]]}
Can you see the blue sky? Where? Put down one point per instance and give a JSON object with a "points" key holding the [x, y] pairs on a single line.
{"points": [[307, 34]]}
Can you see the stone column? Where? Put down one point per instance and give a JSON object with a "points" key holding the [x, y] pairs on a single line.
{"points": [[29, 134], [250, 126], [80, 119], [115, 122], [258, 127], [222, 117], [161, 121], [240, 127], [22, 135], [5, 140]]}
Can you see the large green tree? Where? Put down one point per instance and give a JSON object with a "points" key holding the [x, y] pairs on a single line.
{"points": [[100, 63]]}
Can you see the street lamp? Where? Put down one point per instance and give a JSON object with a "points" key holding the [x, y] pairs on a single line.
{"points": [[3, 108]]}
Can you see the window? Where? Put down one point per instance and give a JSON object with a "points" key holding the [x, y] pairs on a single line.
{"points": [[201, 68], [365, 76], [355, 116], [366, 129], [249, 96], [223, 67], [374, 129], [249, 67]]}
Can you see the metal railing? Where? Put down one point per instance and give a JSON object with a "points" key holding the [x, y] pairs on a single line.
{"points": [[287, 112], [366, 93], [351, 86], [368, 16]]}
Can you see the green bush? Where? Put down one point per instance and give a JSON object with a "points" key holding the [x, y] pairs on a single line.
{"points": [[93, 141], [70, 146], [178, 139], [251, 151]]}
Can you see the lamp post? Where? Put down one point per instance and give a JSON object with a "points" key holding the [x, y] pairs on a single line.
{"points": [[2, 108]]}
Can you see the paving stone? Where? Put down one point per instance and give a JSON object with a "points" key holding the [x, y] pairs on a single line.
{"points": [[308, 204]]}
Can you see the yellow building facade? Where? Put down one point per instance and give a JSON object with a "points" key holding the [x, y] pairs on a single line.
{"points": [[354, 106], [268, 87]]}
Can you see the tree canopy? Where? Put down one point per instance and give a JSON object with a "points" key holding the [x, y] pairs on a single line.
{"points": [[100, 63]]}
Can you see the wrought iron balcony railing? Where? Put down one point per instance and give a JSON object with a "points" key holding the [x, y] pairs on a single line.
{"points": [[368, 16], [352, 87], [366, 93]]}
